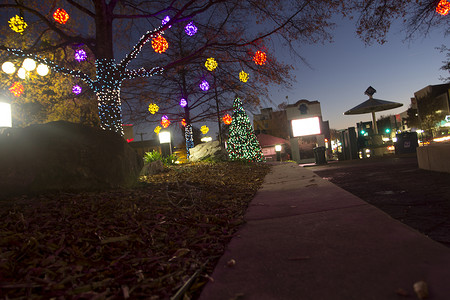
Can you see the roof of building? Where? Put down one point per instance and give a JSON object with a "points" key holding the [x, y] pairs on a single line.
{"points": [[303, 101], [266, 140]]}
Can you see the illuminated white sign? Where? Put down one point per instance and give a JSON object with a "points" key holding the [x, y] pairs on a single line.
{"points": [[5, 115], [308, 126]]}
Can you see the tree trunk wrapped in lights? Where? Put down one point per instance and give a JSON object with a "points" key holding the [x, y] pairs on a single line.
{"points": [[242, 143]]}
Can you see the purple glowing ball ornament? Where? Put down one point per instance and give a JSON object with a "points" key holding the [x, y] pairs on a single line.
{"points": [[204, 85], [80, 55], [190, 29], [165, 20], [183, 102], [76, 89]]}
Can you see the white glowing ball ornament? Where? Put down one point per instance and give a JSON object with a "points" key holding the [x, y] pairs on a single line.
{"points": [[42, 69], [22, 73], [29, 64], [8, 67]]}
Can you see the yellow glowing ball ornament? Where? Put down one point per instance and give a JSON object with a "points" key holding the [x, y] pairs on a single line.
{"points": [[153, 108], [443, 7], [204, 129], [16, 89], [17, 24], [211, 64], [243, 76], [160, 44], [157, 129]]}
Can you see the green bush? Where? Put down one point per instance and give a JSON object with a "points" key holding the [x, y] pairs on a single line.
{"points": [[150, 157]]}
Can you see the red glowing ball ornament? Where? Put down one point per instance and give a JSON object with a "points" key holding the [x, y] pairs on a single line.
{"points": [[165, 121], [61, 16], [160, 44], [443, 7], [227, 119], [16, 89], [260, 58]]}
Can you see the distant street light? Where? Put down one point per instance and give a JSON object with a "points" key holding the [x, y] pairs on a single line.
{"points": [[5, 114]]}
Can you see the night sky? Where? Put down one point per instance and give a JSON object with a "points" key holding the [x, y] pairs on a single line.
{"points": [[340, 72]]}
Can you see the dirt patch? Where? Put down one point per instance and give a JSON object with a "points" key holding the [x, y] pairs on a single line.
{"points": [[395, 184]]}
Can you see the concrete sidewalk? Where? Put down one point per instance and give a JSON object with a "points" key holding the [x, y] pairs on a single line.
{"points": [[306, 238]]}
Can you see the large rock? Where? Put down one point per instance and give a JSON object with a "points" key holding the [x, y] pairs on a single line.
{"points": [[64, 156], [210, 150]]}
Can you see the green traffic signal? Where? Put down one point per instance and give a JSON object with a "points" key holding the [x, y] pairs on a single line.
{"points": [[363, 132], [387, 130]]}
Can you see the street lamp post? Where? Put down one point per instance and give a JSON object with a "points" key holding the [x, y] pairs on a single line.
{"points": [[278, 151], [164, 139]]}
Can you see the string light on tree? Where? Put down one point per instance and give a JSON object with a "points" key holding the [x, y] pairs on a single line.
{"points": [[443, 7], [17, 24], [157, 129], [190, 29], [243, 76], [183, 102], [153, 108], [242, 143], [204, 129], [76, 89], [227, 119], [204, 85], [160, 44], [61, 16], [165, 121], [260, 58], [189, 136], [16, 89], [107, 81], [211, 64], [183, 122], [80, 55]]}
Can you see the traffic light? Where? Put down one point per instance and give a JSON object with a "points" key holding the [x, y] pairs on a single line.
{"points": [[387, 130], [362, 132]]}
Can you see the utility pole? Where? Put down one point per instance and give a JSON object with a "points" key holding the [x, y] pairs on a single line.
{"points": [[218, 113]]}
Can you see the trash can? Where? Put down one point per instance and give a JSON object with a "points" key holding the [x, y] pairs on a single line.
{"points": [[319, 155], [407, 142]]}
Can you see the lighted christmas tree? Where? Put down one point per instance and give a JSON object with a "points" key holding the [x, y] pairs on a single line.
{"points": [[242, 143]]}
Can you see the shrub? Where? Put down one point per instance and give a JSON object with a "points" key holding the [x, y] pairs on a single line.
{"points": [[150, 157]]}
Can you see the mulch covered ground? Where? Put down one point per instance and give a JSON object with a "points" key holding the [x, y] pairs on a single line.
{"points": [[143, 243], [395, 184]]}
